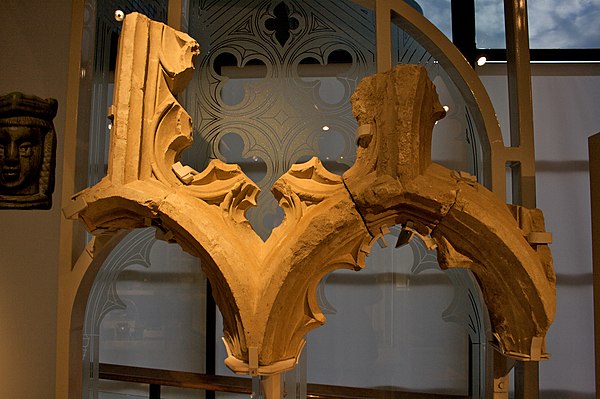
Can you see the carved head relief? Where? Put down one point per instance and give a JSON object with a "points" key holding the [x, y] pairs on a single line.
{"points": [[20, 157], [27, 151]]}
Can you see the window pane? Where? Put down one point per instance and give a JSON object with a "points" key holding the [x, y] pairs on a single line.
{"points": [[564, 24], [489, 24], [553, 24], [438, 12]]}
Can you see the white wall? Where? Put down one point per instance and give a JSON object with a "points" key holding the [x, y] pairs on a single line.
{"points": [[34, 51], [565, 100]]}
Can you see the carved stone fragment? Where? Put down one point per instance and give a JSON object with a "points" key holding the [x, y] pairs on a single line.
{"points": [[27, 151], [394, 181], [266, 291]]}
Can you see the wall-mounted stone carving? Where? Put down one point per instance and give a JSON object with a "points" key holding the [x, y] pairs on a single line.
{"points": [[266, 291], [27, 151]]}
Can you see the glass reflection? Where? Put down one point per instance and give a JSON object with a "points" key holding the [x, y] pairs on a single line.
{"points": [[385, 325], [147, 309]]}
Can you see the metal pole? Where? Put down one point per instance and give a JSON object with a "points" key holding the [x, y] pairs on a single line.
{"points": [[594, 155], [519, 97], [522, 142], [154, 391], [211, 336], [463, 28]]}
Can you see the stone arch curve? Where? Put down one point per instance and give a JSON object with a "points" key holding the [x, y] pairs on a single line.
{"points": [[266, 290]]}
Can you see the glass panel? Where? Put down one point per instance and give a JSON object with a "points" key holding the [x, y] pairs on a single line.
{"points": [[146, 309], [438, 12], [161, 324], [489, 24], [121, 390], [386, 325], [562, 168], [227, 395], [131, 390], [273, 88]]}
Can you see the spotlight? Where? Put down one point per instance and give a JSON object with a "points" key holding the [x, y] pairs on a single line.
{"points": [[481, 61], [119, 15]]}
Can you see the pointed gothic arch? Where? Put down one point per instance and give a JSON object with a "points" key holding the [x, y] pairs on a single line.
{"points": [[146, 186]]}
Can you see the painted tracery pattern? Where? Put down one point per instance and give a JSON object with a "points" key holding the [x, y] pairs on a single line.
{"points": [[273, 87], [267, 76]]}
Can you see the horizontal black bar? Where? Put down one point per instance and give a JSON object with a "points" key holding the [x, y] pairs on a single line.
{"points": [[546, 55], [220, 383]]}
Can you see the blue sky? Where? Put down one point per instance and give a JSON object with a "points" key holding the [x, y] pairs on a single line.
{"points": [[564, 23], [552, 23]]}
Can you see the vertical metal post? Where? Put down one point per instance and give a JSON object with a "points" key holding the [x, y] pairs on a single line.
{"points": [[594, 151], [154, 391], [463, 28], [383, 35], [522, 144], [211, 336], [527, 380], [519, 96]]}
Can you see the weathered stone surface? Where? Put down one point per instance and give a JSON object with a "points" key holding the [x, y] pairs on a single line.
{"points": [[266, 291], [27, 151], [394, 181]]}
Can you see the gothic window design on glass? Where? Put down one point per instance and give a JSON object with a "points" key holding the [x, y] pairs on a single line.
{"points": [[146, 308], [273, 84], [273, 87]]}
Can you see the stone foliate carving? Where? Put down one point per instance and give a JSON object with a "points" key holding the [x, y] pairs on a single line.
{"points": [[266, 290], [27, 151], [394, 181]]}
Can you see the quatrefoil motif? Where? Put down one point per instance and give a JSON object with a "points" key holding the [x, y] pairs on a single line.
{"points": [[282, 24]]}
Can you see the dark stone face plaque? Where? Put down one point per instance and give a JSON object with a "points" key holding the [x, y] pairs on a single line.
{"points": [[27, 151]]}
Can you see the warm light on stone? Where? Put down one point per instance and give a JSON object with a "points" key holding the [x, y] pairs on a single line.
{"points": [[266, 291]]}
